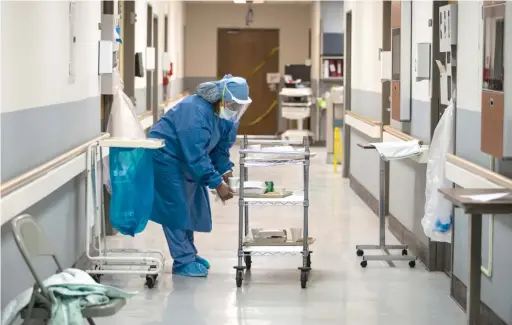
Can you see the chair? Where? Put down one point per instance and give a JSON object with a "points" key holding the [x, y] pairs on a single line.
{"points": [[32, 243]]}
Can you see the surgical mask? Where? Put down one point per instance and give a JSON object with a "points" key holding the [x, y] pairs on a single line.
{"points": [[227, 114]]}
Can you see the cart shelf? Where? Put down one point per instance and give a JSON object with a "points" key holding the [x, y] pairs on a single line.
{"points": [[295, 199], [265, 157]]}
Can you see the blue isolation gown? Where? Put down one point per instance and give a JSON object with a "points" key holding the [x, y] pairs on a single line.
{"points": [[195, 156]]}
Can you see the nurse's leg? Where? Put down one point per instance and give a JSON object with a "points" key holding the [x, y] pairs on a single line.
{"points": [[199, 259], [182, 251], [190, 236]]}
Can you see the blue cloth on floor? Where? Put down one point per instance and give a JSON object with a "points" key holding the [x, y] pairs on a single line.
{"points": [[181, 246], [70, 291], [195, 155], [203, 261], [193, 269]]}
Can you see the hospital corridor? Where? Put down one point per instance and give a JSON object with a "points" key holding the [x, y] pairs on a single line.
{"points": [[255, 162]]}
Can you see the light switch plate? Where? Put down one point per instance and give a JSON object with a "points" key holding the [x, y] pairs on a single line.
{"points": [[385, 66], [150, 58]]}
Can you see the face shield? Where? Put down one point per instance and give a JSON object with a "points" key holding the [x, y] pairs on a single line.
{"points": [[234, 109]]}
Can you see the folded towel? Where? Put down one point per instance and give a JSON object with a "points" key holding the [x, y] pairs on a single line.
{"points": [[70, 291], [397, 150]]}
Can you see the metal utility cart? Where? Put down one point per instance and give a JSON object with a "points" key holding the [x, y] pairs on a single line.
{"points": [[105, 260], [264, 157], [388, 257]]}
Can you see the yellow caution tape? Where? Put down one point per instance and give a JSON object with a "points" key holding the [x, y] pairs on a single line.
{"points": [[262, 116]]}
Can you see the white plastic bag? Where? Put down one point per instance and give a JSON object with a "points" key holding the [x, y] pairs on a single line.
{"points": [[123, 122], [438, 220]]}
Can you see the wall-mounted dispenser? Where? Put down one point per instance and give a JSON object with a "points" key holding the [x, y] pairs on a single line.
{"points": [[422, 64], [108, 46], [496, 121], [447, 27], [385, 66], [166, 62], [150, 58]]}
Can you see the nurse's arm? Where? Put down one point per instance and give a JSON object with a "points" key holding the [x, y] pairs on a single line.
{"points": [[194, 143]]}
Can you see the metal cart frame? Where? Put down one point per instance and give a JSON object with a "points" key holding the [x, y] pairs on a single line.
{"points": [[105, 260], [388, 257], [245, 253]]}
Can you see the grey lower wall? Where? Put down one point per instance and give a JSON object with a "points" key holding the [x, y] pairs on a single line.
{"points": [[408, 178], [29, 138], [407, 195], [62, 217], [497, 291], [364, 164]]}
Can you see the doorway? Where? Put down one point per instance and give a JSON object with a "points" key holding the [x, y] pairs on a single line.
{"points": [[128, 48], [252, 53], [347, 92]]}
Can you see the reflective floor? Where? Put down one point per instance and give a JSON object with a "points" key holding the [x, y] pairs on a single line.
{"points": [[339, 291]]}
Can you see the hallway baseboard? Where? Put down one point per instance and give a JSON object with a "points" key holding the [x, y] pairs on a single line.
{"points": [[458, 292]]}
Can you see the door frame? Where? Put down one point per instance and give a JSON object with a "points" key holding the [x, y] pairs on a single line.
{"points": [[156, 85], [220, 29], [347, 91], [149, 43], [440, 254]]}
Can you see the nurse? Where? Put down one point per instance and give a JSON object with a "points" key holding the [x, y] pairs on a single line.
{"points": [[198, 134]]}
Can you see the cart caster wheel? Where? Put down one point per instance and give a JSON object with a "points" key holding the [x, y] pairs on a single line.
{"points": [[308, 263], [360, 252], [364, 263], [96, 277], [404, 252], [248, 262], [303, 279], [412, 264], [239, 278], [150, 281]]}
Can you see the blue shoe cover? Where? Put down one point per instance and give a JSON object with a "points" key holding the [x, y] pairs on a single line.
{"points": [[193, 269], [203, 261]]}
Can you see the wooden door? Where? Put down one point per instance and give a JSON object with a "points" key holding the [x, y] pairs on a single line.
{"points": [[252, 53]]}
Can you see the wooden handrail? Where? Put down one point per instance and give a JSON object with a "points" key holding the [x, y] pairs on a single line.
{"points": [[363, 119], [17, 182], [399, 134], [488, 174]]}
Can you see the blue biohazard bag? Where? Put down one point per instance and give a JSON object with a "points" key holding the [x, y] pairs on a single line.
{"points": [[132, 184]]}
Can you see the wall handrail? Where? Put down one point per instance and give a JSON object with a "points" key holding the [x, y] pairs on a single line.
{"points": [[399, 134], [363, 119], [488, 174], [28, 177]]}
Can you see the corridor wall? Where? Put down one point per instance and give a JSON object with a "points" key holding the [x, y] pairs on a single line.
{"points": [[497, 290], [44, 115]]}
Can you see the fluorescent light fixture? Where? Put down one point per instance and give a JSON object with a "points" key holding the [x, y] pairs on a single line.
{"points": [[239, 1]]}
